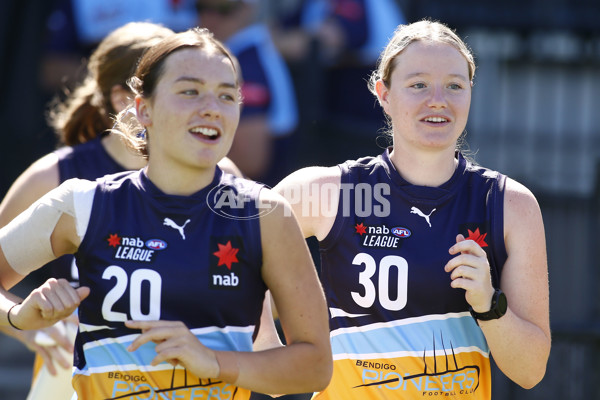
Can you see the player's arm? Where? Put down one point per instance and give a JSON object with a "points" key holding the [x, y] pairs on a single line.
{"points": [[37, 180], [520, 340], [313, 192], [305, 363], [309, 191], [227, 165], [267, 337], [46, 230]]}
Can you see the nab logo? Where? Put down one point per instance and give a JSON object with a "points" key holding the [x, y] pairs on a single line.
{"points": [[230, 279], [401, 232], [225, 262], [156, 244]]}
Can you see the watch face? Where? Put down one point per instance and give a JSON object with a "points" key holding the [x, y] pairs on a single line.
{"points": [[502, 304]]}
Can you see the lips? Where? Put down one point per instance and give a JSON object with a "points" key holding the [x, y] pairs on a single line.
{"points": [[206, 133], [436, 120]]}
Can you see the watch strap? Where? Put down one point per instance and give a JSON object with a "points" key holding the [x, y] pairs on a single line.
{"points": [[497, 309]]}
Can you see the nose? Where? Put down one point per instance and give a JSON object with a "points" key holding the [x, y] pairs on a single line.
{"points": [[208, 106], [438, 98]]}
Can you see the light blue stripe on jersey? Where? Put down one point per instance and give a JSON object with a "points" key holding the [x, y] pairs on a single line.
{"points": [[112, 354], [411, 336]]}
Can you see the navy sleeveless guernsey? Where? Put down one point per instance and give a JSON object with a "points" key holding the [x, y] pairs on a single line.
{"points": [[89, 161], [147, 255], [398, 329]]}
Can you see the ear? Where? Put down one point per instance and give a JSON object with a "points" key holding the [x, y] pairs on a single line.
{"points": [[120, 98], [382, 95], [142, 111]]}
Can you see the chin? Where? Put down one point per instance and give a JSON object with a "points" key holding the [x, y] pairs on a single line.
{"points": [[439, 142], [207, 158]]}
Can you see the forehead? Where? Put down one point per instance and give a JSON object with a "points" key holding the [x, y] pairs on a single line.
{"points": [[207, 64], [422, 56]]}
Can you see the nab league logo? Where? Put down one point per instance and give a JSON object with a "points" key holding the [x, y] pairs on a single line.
{"points": [[379, 235], [134, 248]]}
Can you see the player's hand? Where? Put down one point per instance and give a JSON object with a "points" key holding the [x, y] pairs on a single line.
{"points": [[48, 304], [55, 344], [470, 270], [176, 344]]}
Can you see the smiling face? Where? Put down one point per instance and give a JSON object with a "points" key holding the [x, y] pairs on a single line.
{"points": [[194, 111], [428, 97]]}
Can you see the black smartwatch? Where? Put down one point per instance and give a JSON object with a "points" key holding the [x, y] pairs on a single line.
{"points": [[497, 310]]}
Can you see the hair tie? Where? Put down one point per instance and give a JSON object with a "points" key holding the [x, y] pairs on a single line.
{"points": [[8, 317]]}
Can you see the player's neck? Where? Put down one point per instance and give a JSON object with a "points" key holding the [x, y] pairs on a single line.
{"points": [[183, 182], [425, 168], [115, 147]]}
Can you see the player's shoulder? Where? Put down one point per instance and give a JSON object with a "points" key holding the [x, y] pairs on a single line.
{"points": [[521, 208], [311, 175], [518, 195]]}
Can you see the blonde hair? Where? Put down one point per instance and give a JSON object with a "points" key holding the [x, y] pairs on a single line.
{"points": [[424, 30], [404, 35]]}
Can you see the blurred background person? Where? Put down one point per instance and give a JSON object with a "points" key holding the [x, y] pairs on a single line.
{"points": [[44, 45], [76, 27], [332, 46], [262, 145]]}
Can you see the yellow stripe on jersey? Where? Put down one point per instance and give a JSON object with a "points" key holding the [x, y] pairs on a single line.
{"points": [[455, 376], [175, 383]]}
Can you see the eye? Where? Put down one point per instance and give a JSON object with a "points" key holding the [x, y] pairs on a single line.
{"points": [[227, 97], [418, 85], [455, 86], [189, 92]]}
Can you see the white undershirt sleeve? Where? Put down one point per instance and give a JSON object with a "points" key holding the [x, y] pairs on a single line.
{"points": [[25, 241], [83, 198]]}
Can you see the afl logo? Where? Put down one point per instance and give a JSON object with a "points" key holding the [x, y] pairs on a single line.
{"points": [[401, 232], [156, 244]]}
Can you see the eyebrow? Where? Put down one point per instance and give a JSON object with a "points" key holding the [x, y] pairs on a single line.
{"points": [[419, 74], [227, 85]]}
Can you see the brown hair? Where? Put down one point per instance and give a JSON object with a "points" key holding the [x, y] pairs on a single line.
{"points": [[86, 112], [149, 72]]}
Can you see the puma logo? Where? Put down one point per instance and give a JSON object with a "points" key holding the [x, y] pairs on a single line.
{"points": [[169, 222], [415, 210]]}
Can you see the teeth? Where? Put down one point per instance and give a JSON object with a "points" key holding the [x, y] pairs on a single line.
{"points": [[435, 119], [205, 131]]}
